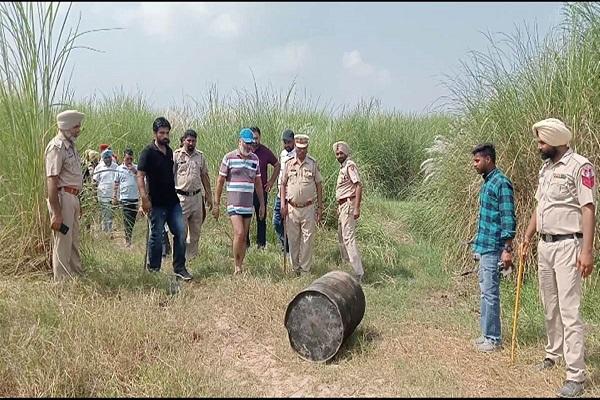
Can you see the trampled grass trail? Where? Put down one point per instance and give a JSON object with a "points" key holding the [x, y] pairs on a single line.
{"points": [[119, 331]]}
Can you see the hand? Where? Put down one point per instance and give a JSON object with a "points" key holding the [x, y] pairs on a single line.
{"points": [[284, 211], [115, 201], [262, 212], [319, 214], [209, 204], [507, 259], [524, 247], [146, 204], [585, 263], [268, 186], [55, 222], [215, 212], [356, 213]]}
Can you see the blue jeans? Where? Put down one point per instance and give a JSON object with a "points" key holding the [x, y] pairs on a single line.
{"points": [[173, 216], [278, 224], [489, 284]]}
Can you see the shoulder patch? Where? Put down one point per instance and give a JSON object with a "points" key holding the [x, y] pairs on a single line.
{"points": [[587, 176]]}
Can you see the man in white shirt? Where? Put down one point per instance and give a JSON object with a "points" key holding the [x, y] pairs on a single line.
{"points": [[126, 191], [289, 151], [104, 178]]}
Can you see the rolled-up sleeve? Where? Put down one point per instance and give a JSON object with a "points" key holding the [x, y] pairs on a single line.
{"points": [[506, 203]]}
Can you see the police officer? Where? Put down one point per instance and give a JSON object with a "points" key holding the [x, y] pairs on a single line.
{"points": [[348, 194], [564, 218], [191, 181], [301, 204], [64, 181]]}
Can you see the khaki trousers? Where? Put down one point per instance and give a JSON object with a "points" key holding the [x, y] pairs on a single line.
{"points": [[193, 217], [560, 292], [300, 227], [347, 237], [66, 260]]}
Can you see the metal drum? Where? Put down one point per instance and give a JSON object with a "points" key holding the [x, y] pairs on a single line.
{"points": [[322, 316]]}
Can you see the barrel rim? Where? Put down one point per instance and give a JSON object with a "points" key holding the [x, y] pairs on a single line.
{"points": [[287, 311]]}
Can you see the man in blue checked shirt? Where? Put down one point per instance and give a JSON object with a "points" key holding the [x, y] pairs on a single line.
{"points": [[493, 242]]}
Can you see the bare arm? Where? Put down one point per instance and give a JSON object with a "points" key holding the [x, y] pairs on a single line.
{"points": [[139, 177], [261, 196], [585, 261], [274, 176], [357, 200], [530, 231], [218, 192], [206, 183], [319, 201], [57, 217]]}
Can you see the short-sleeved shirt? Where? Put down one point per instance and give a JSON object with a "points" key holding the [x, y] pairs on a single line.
{"points": [[128, 189], [347, 179], [240, 174], [159, 175], [62, 160], [265, 157], [563, 188], [497, 222], [300, 178], [189, 170], [105, 177], [283, 157]]}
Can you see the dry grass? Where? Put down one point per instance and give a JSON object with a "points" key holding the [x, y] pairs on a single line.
{"points": [[118, 332]]}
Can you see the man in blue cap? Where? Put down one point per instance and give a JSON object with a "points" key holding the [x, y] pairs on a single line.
{"points": [[240, 169]]}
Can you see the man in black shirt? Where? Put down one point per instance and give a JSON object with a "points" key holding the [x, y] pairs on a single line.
{"points": [[156, 165]]}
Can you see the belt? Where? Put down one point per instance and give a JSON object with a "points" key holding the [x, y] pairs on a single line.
{"points": [[345, 199], [72, 190], [546, 237], [308, 203], [183, 192]]}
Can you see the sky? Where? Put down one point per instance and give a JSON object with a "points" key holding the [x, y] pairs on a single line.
{"points": [[336, 53]]}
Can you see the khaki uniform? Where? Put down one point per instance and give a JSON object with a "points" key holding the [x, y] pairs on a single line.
{"points": [[62, 160], [300, 179], [563, 189], [188, 178], [345, 192]]}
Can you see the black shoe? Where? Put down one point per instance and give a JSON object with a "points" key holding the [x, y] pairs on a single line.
{"points": [[186, 276], [571, 389], [546, 364], [152, 269]]}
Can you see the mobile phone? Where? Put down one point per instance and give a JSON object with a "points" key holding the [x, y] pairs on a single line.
{"points": [[63, 229]]}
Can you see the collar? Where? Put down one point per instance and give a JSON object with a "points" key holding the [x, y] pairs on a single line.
{"points": [[493, 172], [564, 159], [61, 136]]}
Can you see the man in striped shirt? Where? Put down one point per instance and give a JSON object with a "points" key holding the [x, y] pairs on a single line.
{"points": [[240, 169], [493, 242]]}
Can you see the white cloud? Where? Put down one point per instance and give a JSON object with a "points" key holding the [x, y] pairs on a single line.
{"points": [[290, 58], [224, 26], [353, 62], [164, 20]]}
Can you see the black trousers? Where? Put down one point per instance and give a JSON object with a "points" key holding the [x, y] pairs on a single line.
{"points": [[261, 225], [130, 209]]}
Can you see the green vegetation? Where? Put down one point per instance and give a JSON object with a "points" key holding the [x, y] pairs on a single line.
{"points": [[119, 331]]}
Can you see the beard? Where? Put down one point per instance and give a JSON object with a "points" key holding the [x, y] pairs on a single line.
{"points": [[548, 154], [190, 148], [163, 141], [244, 150]]}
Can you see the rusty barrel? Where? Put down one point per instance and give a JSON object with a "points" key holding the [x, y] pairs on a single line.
{"points": [[323, 315]]}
